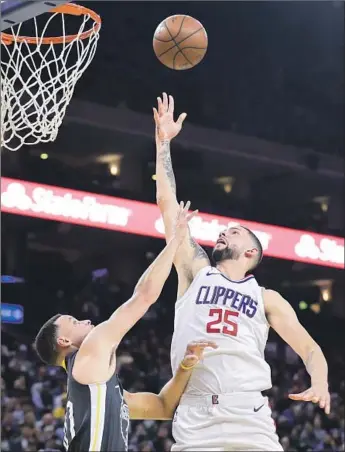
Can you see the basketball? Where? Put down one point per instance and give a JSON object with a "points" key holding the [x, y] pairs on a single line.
{"points": [[180, 42]]}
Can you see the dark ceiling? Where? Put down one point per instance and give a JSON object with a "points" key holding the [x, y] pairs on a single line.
{"points": [[273, 69]]}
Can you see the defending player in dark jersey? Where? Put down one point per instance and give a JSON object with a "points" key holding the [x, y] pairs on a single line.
{"points": [[98, 409]]}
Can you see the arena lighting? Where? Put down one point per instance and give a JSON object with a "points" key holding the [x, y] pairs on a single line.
{"points": [[303, 305], [114, 169], [118, 214], [325, 286], [8, 279], [227, 188], [315, 307]]}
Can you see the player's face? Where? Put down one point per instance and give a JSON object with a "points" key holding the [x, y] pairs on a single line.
{"points": [[231, 244], [72, 331]]}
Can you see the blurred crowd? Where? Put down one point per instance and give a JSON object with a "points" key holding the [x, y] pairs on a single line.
{"points": [[33, 396]]}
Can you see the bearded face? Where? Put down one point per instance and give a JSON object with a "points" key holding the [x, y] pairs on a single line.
{"points": [[230, 245], [220, 254]]}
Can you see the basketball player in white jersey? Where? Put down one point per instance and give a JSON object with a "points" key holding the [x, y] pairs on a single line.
{"points": [[222, 407]]}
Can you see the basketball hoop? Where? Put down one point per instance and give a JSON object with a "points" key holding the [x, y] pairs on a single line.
{"points": [[39, 74]]}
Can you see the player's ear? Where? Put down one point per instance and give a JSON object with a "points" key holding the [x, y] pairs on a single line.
{"points": [[63, 342], [251, 252]]}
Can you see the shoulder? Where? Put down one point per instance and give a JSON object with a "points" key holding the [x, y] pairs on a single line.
{"points": [[270, 297], [274, 301], [269, 294]]}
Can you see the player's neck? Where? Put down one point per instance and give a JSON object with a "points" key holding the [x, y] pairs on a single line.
{"points": [[232, 269]]}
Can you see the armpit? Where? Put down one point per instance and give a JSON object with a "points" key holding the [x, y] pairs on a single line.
{"points": [[199, 253]]}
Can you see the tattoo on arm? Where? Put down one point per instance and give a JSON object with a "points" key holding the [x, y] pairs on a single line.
{"points": [[199, 253], [166, 161]]}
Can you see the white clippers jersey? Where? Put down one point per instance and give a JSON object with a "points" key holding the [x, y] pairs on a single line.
{"points": [[230, 313]]}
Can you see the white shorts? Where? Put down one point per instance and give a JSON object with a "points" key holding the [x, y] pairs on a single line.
{"points": [[230, 422]]}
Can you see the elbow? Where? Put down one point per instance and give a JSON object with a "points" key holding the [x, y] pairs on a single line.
{"points": [[166, 202], [161, 200], [167, 411], [146, 293]]}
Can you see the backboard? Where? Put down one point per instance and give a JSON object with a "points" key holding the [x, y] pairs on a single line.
{"points": [[15, 11]]}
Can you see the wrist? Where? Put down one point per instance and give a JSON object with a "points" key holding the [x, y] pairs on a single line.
{"points": [[185, 367], [318, 382], [162, 140]]}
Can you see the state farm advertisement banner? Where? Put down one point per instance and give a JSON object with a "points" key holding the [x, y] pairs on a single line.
{"points": [[117, 214]]}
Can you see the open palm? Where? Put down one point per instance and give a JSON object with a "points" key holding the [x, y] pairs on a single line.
{"points": [[166, 127]]}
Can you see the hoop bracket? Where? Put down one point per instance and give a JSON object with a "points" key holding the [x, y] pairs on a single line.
{"points": [[14, 12]]}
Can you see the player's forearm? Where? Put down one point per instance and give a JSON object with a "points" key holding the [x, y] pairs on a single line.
{"points": [[316, 366], [165, 178], [152, 281], [171, 393], [146, 405]]}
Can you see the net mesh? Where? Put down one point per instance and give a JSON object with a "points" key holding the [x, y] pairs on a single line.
{"points": [[38, 79]]}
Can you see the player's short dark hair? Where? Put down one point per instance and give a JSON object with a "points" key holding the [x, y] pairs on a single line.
{"points": [[257, 245], [45, 341]]}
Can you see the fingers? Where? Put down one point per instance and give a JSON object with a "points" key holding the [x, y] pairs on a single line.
{"points": [[202, 344], [184, 211], [171, 105], [165, 102], [328, 404], [211, 344], [306, 396], [155, 115], [160, 106], [184, 207], [324, 401], [192, 215], [187, 207], [181, 118], [297, 396]]}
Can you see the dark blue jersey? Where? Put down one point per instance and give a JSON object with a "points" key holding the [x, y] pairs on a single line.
{"points": [[97, 417]]}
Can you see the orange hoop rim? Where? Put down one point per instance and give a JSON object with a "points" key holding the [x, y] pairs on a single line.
{"points": [[70, 9]]}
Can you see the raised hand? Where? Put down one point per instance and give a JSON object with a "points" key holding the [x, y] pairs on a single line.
{"points": [[195, 352], [182, 219], [166, 127], [317, 393]]}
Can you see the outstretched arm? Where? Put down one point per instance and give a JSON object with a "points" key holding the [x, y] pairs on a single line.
{"points": [[284, 321], [190, 258], [106, 336], [146, 405]]}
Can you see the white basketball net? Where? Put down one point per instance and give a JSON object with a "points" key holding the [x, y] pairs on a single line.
{"points": [[38, 81]]}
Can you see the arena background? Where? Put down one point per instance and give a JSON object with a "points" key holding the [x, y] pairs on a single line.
{"points": [[263, 142]]}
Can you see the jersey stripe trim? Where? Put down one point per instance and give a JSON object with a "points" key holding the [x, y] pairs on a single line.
{"points": [[240, 281], [98, 394]]}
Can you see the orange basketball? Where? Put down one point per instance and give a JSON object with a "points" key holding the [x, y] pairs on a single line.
{"points": [[180, 42]]}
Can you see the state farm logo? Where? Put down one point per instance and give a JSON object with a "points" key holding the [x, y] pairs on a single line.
{"points": [[327, 251], [63, 205]]}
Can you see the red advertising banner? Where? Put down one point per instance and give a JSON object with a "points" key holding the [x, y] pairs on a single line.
{"points": [[98, 211]]}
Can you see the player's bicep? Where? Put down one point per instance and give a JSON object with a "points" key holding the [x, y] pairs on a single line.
{"points": [[145, 405], [283, 319], [110, 333]]}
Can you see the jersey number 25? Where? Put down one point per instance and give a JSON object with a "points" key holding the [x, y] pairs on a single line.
{"points": [[222, 322]]}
